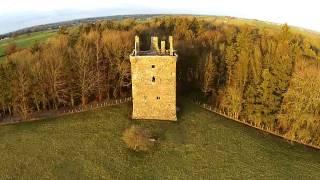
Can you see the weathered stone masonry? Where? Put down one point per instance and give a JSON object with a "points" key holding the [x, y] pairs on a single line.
{"points": [[154, 81]]}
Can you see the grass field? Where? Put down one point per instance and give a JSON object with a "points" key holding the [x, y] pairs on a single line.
{"points": [[26, 40], [201, 145]]}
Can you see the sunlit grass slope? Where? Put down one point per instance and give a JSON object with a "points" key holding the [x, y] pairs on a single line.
{"points": [[26, 40]]}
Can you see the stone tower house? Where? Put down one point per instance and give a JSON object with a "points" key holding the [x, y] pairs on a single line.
{"points": [[154, 81]]}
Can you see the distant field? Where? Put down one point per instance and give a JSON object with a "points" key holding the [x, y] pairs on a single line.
{"points": [[201, 145], [26, 40]]}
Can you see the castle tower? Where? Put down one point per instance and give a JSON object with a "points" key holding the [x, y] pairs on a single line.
{"points": [[154, 81]]}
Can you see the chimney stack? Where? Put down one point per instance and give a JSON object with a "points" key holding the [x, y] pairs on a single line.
{"points": [[171, 45], [163, 47], [136, 45], [154, 44]]}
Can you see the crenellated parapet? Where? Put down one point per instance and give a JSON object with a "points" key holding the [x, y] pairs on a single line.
{"points": [[154, 47]]}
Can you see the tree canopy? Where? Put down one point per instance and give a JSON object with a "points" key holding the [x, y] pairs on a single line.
{"points": [[266, 77]]}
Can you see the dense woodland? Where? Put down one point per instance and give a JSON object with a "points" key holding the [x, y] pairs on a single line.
{"points": [[269, 78]]}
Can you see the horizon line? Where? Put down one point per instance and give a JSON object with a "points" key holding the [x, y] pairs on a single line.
{"points": [[157, 14]]}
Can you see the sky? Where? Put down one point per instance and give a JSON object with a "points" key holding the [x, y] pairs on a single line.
{"points": [[17, 14]]}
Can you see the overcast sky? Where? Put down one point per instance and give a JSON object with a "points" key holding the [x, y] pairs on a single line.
{"points": [[16, 14]]}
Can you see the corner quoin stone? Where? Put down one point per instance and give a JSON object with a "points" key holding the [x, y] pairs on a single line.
{"points": [[154, 83]]}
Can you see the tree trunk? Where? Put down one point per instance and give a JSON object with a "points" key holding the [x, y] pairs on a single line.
{"points": [[98, 73], [10, 111], [37, 104], [72, 100], [83, 100]]}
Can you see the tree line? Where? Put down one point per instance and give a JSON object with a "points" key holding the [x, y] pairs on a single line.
{"points": [[84, 64], [265, 77]]}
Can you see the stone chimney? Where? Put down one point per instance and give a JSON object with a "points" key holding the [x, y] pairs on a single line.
{"points": [[163, 47], [171, 45], [154, 44], [136, 45]]}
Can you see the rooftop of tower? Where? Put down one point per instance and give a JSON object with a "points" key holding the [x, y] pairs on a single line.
{"points": [[154, 48]]}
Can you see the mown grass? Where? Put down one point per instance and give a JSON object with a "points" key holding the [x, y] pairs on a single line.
{"points": [[26, 40], [201, 145]]}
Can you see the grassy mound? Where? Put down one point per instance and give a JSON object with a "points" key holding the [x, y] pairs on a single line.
{"points": [[200, 145]]}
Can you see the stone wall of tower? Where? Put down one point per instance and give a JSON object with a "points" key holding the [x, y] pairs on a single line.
{"points": [[154, 87]]}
